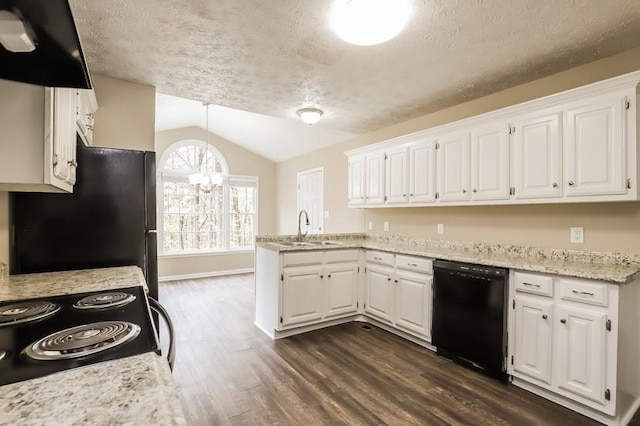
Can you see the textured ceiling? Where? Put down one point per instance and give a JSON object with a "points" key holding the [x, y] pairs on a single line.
{"points": [[273, 57]]}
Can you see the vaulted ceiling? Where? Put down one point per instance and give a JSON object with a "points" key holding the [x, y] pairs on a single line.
{"points": [[274, 57]]}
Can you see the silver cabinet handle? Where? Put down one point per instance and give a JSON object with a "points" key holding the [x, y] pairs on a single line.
{"points": [[564, 321], [389, 279], [555, 185], [586, 293], [411, 195], [415, 265], [531, 285], [571, 183], [464, 191], [328, 275], [377, 258], [544, 316], [475, 190]]}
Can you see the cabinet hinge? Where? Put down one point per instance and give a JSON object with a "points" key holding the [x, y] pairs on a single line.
{"points": [[512, 129], [628, 183], [280, 320], [386, 157], [511, 359], [627, 104], [607, 395], [437, 195], [514, 303], [55, 159], [282, 276], [608, 325], [437, 145]]}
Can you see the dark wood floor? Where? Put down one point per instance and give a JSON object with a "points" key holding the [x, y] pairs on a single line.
{"points": [[228, 372]]}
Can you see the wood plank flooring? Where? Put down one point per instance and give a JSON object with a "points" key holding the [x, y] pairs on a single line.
{"points": [[229, 373]]}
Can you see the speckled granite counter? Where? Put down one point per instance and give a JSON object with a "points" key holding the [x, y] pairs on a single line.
{"points": [[136, 390], [621, 268], [28, 286]]}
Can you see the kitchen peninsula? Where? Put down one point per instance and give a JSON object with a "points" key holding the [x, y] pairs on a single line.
{"points": [[132, 390]]}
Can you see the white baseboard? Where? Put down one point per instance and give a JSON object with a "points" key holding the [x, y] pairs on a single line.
{"points": [[205, 274]]}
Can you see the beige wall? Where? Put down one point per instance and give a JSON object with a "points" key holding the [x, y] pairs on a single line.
{"points": [[125, 119], [240, 162], [610, 226], [126, 114]]}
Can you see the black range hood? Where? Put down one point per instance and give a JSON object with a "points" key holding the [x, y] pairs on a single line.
{"points": [[57, 60]]}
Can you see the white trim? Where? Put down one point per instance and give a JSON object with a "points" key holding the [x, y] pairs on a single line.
{"points": [[165, 278], [170, 255]]}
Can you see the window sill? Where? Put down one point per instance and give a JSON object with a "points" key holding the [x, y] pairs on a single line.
{"points": [[204, 253]]}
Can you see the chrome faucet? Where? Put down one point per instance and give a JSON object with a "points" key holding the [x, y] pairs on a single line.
{"points": [[306, 215]]}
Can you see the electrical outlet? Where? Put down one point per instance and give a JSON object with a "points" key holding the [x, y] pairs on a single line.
{"points": [[577, 235], [440, 229], [326, 214], [370, 226], [386, 227]]}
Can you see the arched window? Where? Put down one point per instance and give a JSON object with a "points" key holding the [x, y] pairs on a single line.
{"points": [[201, 207]]}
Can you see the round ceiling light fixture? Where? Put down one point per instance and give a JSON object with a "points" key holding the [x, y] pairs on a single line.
{"points": [[368, 22], [310, 115]]}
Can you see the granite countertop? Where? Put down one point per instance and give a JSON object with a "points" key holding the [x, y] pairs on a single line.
{"points": [[137, 390], [127, 391], [46, 284], [620, 268]]}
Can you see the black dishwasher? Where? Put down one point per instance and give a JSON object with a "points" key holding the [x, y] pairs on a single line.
{"points": [[470, 315]]}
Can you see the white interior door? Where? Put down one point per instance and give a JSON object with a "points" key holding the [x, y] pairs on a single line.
{"points": [[311, 199]]}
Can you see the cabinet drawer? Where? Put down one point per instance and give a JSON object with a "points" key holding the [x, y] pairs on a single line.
{"points": [[301, 258], [590, 292], [380, 257], [418, 264], [339, 256], [533, 283]]}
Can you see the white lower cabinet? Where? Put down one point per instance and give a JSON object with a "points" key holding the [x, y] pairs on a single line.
{"points": [[564, 337], [317, 286], [398, 291]]}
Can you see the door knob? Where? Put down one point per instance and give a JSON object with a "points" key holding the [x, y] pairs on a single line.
{"points": [[555, 185], [571, 183], [564, 321]]}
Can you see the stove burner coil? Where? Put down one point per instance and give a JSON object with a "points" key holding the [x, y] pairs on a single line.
{"points": [[21, 312], [104, 301], [82, 340]]}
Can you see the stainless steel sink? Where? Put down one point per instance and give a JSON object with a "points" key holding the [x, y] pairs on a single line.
{"points": [[307, 243]]}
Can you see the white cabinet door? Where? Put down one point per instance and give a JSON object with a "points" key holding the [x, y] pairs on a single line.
{"points": [[413, 302], [380, 292], [63, 135], [397, 176], [302, 295], [533, 345], [341, 282], [490, 162], [581, 349], [537, 156], [356, 181], [374, 177], [453, 167], [595, 147], [422, 172]]}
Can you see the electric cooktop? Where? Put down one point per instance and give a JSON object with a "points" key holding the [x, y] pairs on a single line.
{"points": [[43, 336]]}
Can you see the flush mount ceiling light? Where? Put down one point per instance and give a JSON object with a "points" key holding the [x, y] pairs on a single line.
{"points": [[13, 34], [310, 115], [368, 22]]}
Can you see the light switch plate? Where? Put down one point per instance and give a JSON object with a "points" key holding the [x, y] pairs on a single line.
{"points": [[326, 214], [386, 227], [440, 229], [577, 235], [370, 226]]}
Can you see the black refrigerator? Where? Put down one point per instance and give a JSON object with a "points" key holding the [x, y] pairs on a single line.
{"points": [[108, 220]]}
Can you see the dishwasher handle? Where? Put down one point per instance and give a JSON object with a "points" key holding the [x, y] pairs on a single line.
{"points": [[157, 307]]}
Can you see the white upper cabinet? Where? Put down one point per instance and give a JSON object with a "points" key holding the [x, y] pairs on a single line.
{"points": [[537, 156], [575, 146], [38, 139], [374, 178], [356, 181], [453, 170], [397, 173], [86, 105], [490, 162], [595, 146], [422, 172]]}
